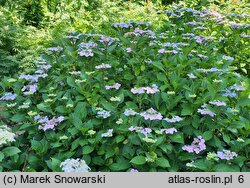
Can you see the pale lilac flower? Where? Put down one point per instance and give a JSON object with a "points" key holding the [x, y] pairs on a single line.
{"points": [[161, 51], [75, 72], [200, 39], [115, 86], [109, 133], [103, 66], [149, 90], [151, 114], [45, 67], [197, 145], [122, 25], [88, 45], [104, 114], [218, 103], [152, 90], [226, 154], [191, 75], [45, 123], [132, 128], [146, 131], [28, 77], [174, 119], [29, 89], [134, 170], [237, 87], [8, 97], [55, 49], [227, 58], [229, 93], [205, 111], [86, 53], [130, 112], [74, 165], [169, 131], [128, 50], [137, 90]]}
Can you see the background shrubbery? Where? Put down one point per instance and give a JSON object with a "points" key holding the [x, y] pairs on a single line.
{"points": [[62, 34]]}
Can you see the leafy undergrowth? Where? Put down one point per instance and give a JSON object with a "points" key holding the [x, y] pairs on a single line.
{"points": [[170, 98]]}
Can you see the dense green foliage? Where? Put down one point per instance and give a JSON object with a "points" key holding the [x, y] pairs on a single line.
{"points": [[122, 96]]}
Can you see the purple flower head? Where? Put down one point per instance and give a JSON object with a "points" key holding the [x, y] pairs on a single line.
{"points": [[149, 90], [174, 119], [55, 49], [8, 97], [134, 170], [226, 154], [151, 114], [146, 131], [115, 86], [218, 103], [128, 50], [103, 66], [45, 123], [229, 93], [169, 131], [29, 89], [28, 77], [197, 145], [161, 51], [86, 53]]}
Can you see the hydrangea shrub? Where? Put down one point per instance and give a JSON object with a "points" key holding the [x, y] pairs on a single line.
{"points": [[145, 99]]}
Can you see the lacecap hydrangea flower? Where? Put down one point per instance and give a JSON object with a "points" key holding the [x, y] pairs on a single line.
{"points": [[226, 154], [6, 135], [197, 145], [74, 165]]}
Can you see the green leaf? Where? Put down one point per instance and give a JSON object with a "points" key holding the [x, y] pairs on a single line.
{"points": [[226, 138], [71, 82], [178, 138], [81, 110], [111, 48], [107, 105], [138, 160], [162, 162], [1, 156], [159, 65], [226, 168], [186, 109], [76, 121], [87, 150], [244, 102], [121, 165], [119, 138], [207, 135], [10, 151], [44, 107], [18, 118]]}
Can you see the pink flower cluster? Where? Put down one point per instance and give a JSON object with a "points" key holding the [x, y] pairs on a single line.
{"points": [[197, 145], [151, 114], [149, 90], [115, 86]]}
